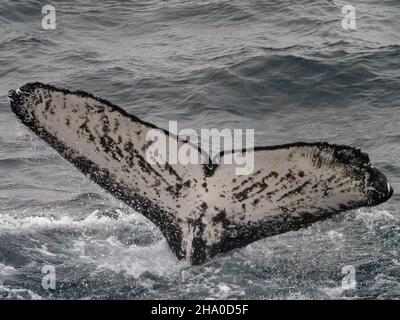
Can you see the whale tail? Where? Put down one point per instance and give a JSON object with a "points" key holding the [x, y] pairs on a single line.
{"points": [[201, 209]]}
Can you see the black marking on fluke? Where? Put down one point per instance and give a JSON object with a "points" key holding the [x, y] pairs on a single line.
{"points": [[213, 211]]}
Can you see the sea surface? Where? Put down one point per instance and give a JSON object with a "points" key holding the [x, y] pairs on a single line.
{"points": [[287, 69]]}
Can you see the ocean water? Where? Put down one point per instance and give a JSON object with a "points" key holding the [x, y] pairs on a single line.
{"points": [[285, 68]]}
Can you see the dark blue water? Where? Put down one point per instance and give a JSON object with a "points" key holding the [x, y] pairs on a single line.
{"points": [[285, 68]]}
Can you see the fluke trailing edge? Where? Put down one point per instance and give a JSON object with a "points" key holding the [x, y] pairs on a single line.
{"points": [[200, 209]]}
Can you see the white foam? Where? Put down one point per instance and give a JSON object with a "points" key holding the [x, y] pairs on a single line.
{"points": [[6, 270], [108, 252], [226, 291], [20, 223], [134, 260], [19, 294], [45, 251], [13, 293], [372, 216]]}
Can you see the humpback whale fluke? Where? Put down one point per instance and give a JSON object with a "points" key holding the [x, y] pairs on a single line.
{"points": [[200, 209]]}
